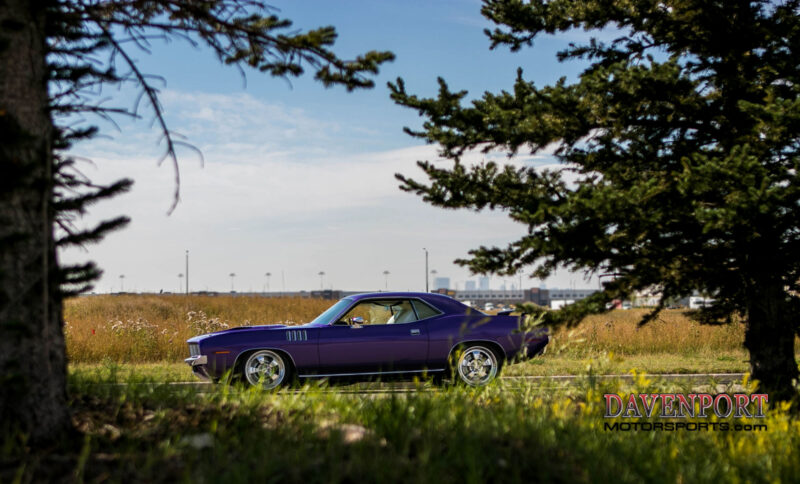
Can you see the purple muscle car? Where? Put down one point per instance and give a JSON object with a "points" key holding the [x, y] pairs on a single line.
{"points": [[367, 335]]}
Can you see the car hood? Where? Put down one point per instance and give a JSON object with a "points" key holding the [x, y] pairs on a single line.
{"points": [[197, 339]]}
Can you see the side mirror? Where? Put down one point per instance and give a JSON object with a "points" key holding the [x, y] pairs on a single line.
{"points": [[358, 320]]}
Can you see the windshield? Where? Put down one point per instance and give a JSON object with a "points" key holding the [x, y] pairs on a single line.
{"points": [[331, 312]]}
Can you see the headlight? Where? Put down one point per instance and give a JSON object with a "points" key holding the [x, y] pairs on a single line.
{"points": [[194, 349]]}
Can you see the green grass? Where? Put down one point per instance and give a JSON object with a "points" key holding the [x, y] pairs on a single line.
{"points": [[508, 433], [513, 431], [565, 364], [547, 365], [164, 372]]}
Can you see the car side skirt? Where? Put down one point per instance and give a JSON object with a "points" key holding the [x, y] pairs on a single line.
{"points": [[327, 375]]}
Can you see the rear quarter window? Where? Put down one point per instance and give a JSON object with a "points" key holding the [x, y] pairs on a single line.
{"points": [[424, 311]]}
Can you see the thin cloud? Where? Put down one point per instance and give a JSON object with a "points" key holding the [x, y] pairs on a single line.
{"points": [[262, 204]]}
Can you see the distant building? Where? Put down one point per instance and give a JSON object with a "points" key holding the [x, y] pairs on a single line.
{"points": [[483, 283], [469, 286], [538, 295], [562, 297], [326, 294], [479, 297], [441, 283]]}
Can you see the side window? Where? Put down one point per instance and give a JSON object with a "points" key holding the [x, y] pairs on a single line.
{"points": [[368, 313], [403, 313], [377, 312], [424, 311]]}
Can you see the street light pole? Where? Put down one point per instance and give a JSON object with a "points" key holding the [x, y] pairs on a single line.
{"points": [[232, 275], [321, 275], [267, 275], [122, 283], [180, 283], [386, 281], [187, 272], [426, 269]]}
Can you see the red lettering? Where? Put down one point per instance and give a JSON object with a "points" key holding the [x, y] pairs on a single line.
{"points": [[667, 400], [648, 409], [609, 397], [742, 401], [728, 406], [685, 408], [760, 399], [632, 409], [706, 401]]}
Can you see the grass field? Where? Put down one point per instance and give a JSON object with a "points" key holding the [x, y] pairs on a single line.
{"points": [[140, 329], [502, 433]]}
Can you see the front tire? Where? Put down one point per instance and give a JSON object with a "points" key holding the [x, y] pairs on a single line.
{"points": [[476, 366], [266, 369]]}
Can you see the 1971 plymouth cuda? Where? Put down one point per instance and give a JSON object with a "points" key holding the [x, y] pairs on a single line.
{"points": [[370, 335]]}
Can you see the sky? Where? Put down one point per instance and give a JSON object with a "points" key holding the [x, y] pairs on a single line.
{"points": [[297, 179]]}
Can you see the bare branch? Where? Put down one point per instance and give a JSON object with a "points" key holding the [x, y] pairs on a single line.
{"points": [[152, 95]]}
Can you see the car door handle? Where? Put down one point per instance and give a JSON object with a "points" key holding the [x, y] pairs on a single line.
{"points": [[414, 332]]}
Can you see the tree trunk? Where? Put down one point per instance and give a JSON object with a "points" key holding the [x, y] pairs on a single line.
{"points": [[769, 337], [32, 354]]}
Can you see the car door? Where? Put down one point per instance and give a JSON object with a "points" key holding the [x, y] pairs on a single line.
{"points": [[398, 343]]}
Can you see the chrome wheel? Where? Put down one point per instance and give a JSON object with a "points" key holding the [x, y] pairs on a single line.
{"points": [[266, 369], [477, 366]]}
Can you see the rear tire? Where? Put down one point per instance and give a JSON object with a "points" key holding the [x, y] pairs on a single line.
{"points": [[475, 365]]}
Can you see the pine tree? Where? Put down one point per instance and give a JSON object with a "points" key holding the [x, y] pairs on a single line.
{"points": [[55, 56], [683, 133]]}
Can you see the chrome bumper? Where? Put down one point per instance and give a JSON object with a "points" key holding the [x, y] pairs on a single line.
{"points": [[196, 360]]}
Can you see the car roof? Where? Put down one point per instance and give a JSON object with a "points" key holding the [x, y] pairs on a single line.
{"points": [[439, 301]]}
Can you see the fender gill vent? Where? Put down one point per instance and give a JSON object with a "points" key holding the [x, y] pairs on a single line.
{"points": [[296, 335]]}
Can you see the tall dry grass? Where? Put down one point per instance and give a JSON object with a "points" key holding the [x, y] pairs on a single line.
{"points": [[137, 329], [673, 332]]}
